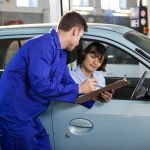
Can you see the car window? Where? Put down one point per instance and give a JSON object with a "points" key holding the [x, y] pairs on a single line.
{"points": [[13, 48], [8, 48], [116, 56], [4, 44], [139, 39], [119, 64]]}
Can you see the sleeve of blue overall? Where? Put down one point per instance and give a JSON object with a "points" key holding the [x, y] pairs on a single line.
{"points": [[88, 104], [46, 80], [67, 79], [66, 83]]}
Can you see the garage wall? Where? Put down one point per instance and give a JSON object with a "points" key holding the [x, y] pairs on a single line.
{"points": [[5, 17], [11, 6], [27, 15], [109, 19]]}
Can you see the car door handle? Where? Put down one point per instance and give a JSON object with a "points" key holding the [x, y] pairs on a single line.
{"points": [[80, 126]]}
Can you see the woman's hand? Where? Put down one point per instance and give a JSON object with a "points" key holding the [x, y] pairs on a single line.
{"points": [[105, 97]]}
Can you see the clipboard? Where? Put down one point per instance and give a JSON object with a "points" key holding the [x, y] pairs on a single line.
{"points": [[92, 95]]}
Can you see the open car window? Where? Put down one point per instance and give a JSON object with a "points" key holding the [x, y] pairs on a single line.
{"points": [[119, 64], [8, 48], [139, 39]]}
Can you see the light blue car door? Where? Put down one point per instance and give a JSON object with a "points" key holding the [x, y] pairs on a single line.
{"points": [[117, 125]]}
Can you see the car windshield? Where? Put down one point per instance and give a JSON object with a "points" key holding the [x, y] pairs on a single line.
{"points": [[139, 39]]}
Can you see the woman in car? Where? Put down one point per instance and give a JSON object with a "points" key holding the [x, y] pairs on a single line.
{"points": [[91, 61]]}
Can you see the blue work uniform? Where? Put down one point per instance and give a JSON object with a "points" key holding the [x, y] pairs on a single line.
{"points": [[79, 77], [36, 75]]}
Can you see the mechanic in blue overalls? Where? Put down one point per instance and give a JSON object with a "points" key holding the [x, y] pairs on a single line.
{"points": [[36, 75]]}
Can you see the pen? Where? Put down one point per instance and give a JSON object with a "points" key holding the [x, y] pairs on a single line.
{"points": [[99, 86]]}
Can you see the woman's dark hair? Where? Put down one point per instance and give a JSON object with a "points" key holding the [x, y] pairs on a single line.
{"points": [[97, 49], [70, 20]]}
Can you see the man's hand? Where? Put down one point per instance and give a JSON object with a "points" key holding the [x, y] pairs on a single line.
{"points": [[88, 86]]}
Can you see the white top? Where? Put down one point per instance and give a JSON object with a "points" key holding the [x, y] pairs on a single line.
{"points": [[79, 77]]}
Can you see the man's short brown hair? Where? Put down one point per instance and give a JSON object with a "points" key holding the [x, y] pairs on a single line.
{"points": [[70, 20]]}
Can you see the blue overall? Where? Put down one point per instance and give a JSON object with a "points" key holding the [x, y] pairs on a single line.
{"points": [[36, 75]]}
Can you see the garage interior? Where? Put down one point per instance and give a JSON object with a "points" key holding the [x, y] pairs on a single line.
{"points": [[95, 11], [125, 117]]}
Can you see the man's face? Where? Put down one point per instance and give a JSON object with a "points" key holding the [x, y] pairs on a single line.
{"points": [[77, 33]]}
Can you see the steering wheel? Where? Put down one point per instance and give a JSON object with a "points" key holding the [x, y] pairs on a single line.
{"points": [[139, 88]]}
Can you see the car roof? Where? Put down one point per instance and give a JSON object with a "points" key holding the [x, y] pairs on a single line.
{"points": [[110, 27], [44, 27]]}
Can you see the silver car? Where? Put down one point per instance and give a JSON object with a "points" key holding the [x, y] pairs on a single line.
{"points": [[121, 124]]}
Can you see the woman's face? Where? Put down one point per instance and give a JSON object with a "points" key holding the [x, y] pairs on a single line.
{"points": [[92, 62]]}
